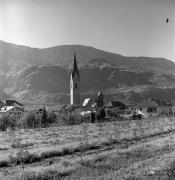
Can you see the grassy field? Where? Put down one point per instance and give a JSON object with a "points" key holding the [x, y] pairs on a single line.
{"points": [[89, 151]]}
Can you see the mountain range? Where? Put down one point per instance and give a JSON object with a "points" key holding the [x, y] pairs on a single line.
{"points": [[41, 76]]}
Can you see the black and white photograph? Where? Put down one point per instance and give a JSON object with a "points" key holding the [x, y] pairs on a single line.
{"points": [[87, 89]]}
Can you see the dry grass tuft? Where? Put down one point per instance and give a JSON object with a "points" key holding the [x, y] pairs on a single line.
{"points": [[16, 145], [44, 174]]}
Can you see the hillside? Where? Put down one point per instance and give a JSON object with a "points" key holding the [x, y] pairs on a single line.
{"points": [[15, 56], [42, 75]]}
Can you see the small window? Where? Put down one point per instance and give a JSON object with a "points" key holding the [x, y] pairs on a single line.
{"points": [[140, 109], [152, 110], [75, 85]]}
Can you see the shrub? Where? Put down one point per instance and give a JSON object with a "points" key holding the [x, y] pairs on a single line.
{"points": [[133, 178], [3, 148], [48, 174], [17, 145], [67, 151], [4, 163], [49, 154], [51, 117], [96, 162], [170, 171], [23, 157], [44, 117], [100, 114], [28, 120], [7, 121]]}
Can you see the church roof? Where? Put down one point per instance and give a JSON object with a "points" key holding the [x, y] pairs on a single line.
{"points": [[100, 93], [87, 101], [75, 67]]}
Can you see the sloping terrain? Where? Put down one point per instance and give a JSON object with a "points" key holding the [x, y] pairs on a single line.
{"points": [[51, 83], [42, 75], [13, 57]]}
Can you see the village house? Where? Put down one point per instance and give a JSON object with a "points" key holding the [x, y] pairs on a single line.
{"points": [[164, 107], [12, 111], [38, 114], [154, 108], [94, 102], [11, 108], [38, 111]]}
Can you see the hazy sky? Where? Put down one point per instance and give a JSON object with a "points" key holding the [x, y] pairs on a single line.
{"points": [[128, 27]]}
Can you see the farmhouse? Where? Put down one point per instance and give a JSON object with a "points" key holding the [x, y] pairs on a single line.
{"points": [[12, 111], [154, 107], [37, 110], [38, 113]]}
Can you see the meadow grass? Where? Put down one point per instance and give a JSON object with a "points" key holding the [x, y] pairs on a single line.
{"points": [[99, 166], [44, 173]]}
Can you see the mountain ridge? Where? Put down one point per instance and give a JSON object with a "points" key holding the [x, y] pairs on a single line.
{"points": [[42, 75]]}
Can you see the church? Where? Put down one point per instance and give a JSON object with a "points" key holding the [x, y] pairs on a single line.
{"points": [[75, 89], [75, 84]]}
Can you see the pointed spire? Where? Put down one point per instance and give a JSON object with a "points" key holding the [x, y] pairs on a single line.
{"points": [[75, 67]]}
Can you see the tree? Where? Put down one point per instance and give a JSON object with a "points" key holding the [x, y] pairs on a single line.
{"points": [[101, 114], [44, 117], [28, 120], [21, 156], [83, 139], [7, 121], [51, 118]]}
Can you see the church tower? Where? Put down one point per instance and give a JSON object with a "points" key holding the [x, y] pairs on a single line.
{"points": [[75, 84]]}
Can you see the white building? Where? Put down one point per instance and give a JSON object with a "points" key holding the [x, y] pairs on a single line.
{"points": [[12, 111], [154, 108]]}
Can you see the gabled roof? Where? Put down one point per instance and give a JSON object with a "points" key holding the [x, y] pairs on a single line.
{"points": [[160, 102], [99, 94], [147, 103], [87, 101], [8, 108], [75, 67], [115, 104]]}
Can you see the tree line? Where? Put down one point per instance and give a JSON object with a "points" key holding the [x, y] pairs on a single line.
{"points": [[50, 118]]}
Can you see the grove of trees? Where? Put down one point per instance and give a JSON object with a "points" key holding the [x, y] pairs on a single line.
{"points": [[66, 116]]}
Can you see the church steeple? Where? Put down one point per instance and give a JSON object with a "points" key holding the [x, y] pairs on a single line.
{"points": [[75, 68], [75, 84]]}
